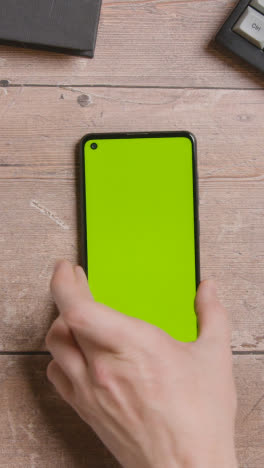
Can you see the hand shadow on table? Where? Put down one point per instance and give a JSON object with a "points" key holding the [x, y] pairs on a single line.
{"points": [[59, 429]]}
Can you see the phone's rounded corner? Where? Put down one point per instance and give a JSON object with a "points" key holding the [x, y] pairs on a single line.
{"points": [[85, 138], [88, 137], [192, 138]]}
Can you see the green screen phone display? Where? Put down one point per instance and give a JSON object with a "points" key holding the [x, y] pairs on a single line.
{"points": [[140, 220]]}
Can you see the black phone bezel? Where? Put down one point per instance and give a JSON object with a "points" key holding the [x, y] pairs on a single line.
{"points": [[131, 135]]}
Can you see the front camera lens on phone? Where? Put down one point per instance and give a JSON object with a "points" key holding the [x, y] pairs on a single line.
{"points": [[94, 146]]}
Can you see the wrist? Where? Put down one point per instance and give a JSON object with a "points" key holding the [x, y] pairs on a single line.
{"points": [[208, 459], [224, 459]]}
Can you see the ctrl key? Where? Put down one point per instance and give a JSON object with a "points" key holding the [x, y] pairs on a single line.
{"points": [[251, 26]]}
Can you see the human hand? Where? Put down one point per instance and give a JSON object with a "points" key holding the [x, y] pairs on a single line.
{"points": [[154, 402]]}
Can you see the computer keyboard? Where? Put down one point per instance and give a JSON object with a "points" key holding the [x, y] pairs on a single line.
{"points": [[243, 32]]}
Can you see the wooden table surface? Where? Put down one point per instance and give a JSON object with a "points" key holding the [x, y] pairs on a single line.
{"points": [[156, 67]]}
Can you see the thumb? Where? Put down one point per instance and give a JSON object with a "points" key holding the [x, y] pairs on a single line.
{"points": [[213, 321], [83, 282]]}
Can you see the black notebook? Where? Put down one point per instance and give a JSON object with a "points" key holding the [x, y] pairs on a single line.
{"points": [[68, 26]]}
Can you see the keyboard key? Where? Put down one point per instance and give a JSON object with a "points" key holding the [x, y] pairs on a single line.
{"points": [[259, 5], [251, 26], [246, 38]]}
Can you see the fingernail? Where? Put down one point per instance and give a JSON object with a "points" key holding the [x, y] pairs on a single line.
{"points": [[79, 273]]}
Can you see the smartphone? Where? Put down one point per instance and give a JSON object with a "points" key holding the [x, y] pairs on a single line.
{"points": [[140, 227]]}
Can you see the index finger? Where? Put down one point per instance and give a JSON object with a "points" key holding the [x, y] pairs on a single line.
{"points": [[97, 322]]}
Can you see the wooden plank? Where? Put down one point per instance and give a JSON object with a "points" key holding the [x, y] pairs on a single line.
{"points": [[164, 43], [40, 127], [39, 225], [249, 371], [38, 430], [37, 193]]}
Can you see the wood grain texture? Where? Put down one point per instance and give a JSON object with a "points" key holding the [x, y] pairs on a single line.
{"points": [[40, 127], [38, 430], [249, 376], [40, 130], [143, 43], [144, 47]]}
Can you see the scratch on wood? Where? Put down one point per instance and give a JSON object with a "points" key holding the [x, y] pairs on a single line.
{"points": [[70, 88], [241, 336], [232, 179], [230, 229], [22, 293], [253, 408], [11, 423], [132, 101], [34, 460], [44, 271], [11, 104], [6, 109], [29, 433], [47, 212], [8, 314], [118, 99]]}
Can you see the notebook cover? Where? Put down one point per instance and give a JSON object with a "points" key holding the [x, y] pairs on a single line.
{"points": [[68, 26]]}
